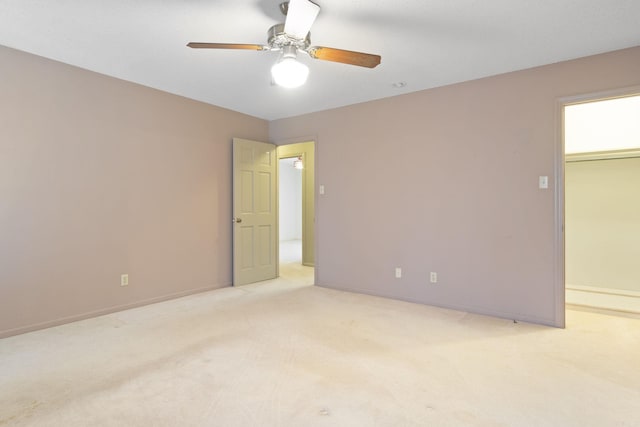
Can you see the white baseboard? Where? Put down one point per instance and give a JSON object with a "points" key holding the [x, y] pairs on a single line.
{"points": [[601, 290], [603, 298]]}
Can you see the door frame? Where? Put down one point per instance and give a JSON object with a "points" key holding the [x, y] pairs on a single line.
{"points": [[559, 199]]}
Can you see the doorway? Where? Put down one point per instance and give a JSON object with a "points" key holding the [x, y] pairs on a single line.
{"points": [[256, 230], [290, 209], [296, 210], [601, 161]]}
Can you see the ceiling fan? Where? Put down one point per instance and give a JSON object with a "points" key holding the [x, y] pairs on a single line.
{"points": [[292, 37]]}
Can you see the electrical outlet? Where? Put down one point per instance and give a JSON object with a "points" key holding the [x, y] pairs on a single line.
{"points": [[433, 277], [398, 272], [124, 280]]}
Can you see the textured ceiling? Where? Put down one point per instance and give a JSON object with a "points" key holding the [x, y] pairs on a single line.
{"points": [[425, 43]]}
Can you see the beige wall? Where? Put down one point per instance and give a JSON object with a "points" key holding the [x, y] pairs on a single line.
{"points": [[603, 223], [445, 180], [100, 177]]}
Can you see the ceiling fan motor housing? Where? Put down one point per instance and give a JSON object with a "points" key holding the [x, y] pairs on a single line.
{"points": [[278, 39]]}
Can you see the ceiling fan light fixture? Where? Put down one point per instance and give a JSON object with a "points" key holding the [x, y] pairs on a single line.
{"points": [[288, 72]]}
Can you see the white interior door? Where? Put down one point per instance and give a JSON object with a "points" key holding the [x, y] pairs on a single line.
{"points": [[254, 211]]}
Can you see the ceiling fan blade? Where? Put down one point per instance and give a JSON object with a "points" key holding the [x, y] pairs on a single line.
{"points": [[344, 56], [198, 45], [300, 17]]}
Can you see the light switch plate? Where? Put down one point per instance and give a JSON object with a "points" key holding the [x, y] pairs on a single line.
{"points": [[543, 182]]}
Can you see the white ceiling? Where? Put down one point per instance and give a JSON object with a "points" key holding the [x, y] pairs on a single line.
{"points": [[425, 43], [613, 124]]}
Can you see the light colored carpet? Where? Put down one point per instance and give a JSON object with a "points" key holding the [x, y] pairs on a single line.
{"points": [[283, 353]]}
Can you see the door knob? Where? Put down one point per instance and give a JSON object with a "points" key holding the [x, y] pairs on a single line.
{"points": [[237, 220]]}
